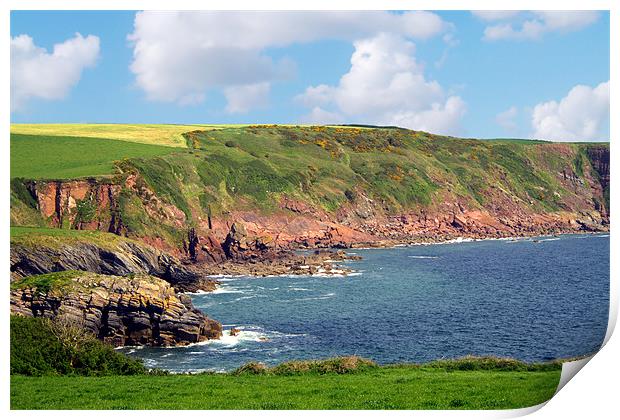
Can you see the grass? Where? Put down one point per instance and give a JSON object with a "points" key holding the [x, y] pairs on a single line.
{"points": [[45, 283], [61, 157], [389, 387], [56, 238]]}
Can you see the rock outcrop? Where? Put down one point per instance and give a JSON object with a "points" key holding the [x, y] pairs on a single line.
{"points": [[599, 156], [123, 311], [89, 204], [104, 254]]}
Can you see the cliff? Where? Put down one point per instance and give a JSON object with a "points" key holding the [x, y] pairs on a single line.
{"points": [[37, 251], [292, 187], [134, 310]]}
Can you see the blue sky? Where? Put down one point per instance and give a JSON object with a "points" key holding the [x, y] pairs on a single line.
{"points": [[485, 75]]}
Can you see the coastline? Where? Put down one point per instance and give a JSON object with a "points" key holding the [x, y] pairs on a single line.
{"points": [[324, 262]]}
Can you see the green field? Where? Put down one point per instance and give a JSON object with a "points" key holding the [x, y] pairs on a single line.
{"points": [[56, 157], [380, 388]]}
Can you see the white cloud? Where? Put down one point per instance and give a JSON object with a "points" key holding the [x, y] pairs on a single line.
{"points": [[495, 14], [386, 86], [533, 25], [179, 56], [35, 73], [243, 98], [507, 118], [582, 115]]}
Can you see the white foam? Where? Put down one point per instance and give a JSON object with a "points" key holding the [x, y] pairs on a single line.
{"points": [[226, 290], [423, 257], [322, 297]]}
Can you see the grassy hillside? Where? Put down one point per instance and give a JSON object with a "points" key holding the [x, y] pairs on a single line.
{"points": [[396, 387], [326, 166], [61, 157]]}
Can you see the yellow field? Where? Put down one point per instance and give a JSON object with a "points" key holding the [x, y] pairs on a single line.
{"points": [[159, 134]]}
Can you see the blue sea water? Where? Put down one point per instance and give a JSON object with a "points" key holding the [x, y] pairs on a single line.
{"points": [[533, 300]]}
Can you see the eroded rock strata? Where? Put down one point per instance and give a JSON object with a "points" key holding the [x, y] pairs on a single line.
{"points": [[103, 254], [123, 311]]}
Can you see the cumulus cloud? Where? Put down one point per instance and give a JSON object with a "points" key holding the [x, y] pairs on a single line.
{"points": [[180, 56], [582, 115], [36, 73], [385, 85], [513, 25]]}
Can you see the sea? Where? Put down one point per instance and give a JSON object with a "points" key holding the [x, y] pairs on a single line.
{"points": [[533, 299]]}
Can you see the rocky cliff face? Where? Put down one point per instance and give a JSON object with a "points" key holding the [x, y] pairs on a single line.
{"points": [[79, 204], [599, 156], [106, 255], [123, 311]]}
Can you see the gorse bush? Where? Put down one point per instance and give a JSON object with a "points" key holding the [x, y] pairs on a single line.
{"points": [[43, 347]]}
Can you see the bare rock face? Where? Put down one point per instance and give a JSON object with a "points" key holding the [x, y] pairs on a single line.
{"points": [[122, 311], [117, 256]]}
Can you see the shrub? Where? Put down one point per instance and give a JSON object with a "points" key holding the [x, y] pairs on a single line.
{"points": [[251, 368], [492, 363], [40, 346], [339, 365]]}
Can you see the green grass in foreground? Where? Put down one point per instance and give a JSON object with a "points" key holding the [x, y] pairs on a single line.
{"points": [[379, 388], [52, 157]]}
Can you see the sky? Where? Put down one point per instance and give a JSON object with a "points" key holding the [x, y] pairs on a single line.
{"points": [[484, 74]]}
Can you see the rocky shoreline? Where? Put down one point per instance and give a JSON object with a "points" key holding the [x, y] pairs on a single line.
{"points": [[129, 293], [119, 310]]}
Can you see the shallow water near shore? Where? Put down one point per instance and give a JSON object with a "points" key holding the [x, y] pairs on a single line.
{"points": [[533, 299]]}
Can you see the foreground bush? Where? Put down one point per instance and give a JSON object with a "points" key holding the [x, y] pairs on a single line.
{"points": [[340, 365], [493, 363], [43, 347], [356, 364]]}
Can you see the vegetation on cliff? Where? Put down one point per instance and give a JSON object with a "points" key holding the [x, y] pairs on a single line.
{"points": [[349, 175], [42, 347]]}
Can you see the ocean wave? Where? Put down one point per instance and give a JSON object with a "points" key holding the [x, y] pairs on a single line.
{"points": [[423, 257], [322, 297]]}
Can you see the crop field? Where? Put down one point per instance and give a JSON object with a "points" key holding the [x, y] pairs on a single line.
{"points": [[157, 134]]}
